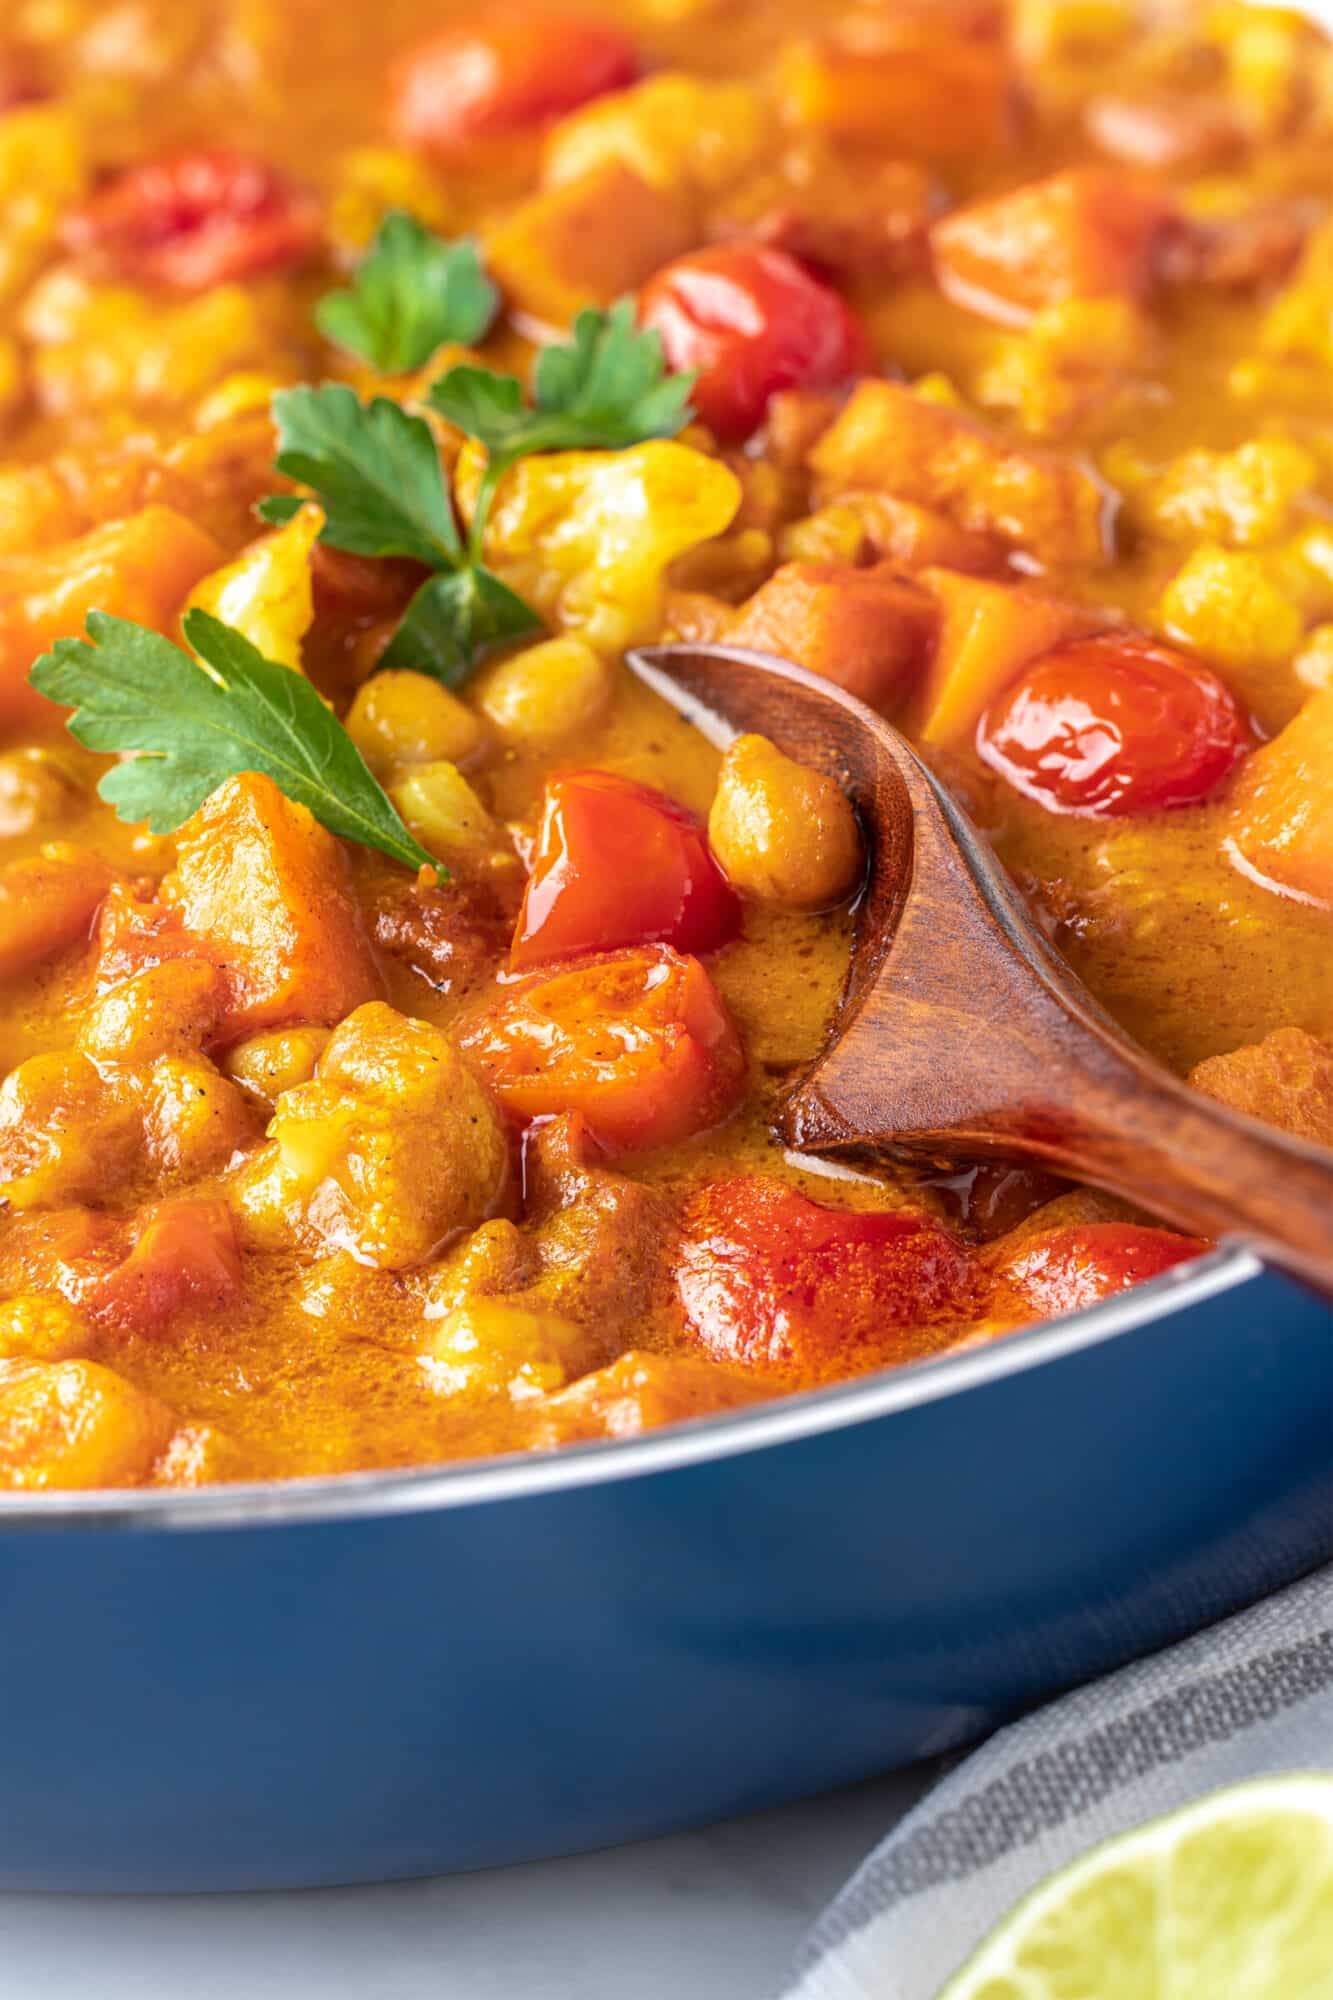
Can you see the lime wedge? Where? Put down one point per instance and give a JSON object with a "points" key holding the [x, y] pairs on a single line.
{"points": [[1229, 1899]]}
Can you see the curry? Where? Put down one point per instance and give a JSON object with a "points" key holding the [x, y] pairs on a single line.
{"points": [[395, 995]]}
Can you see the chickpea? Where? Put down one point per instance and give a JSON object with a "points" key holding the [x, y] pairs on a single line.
{"points": [[539, 697], [37, 788], [266, 1065], [784, 834], [400, 717], [441, 808]]}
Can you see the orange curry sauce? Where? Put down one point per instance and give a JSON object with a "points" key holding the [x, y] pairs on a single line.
{"points": [[1014, 338]]}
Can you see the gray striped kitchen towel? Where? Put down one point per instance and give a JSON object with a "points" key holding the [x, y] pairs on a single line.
{"points": [[1247, 1698]]}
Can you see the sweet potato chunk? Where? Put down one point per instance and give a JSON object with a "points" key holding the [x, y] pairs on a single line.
{"points": [[891, 440], [267, 892], [1282, 816], [47, 902], [74, 1424], [1081, 234], [866, 630], [1286, 1079], [587, 241], [987, 633], [142, 568], [915, 90]]}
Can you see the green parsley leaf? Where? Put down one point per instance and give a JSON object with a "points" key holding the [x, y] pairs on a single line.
{"points": [[454, 621], [193, 726], [412, 294], [605, 390], [374, 469]]}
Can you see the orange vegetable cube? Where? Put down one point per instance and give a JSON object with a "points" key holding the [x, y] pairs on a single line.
{"points": [[867, 630], [1286, 1079], [987, 634], [888, 439], [587, 241], [915, 89], [1282, 814], [143, 567], [47, 902], [268, 893], [1081, 234]]}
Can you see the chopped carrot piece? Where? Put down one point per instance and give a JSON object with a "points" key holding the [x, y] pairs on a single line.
{"points": [[267, 892], [1081, 234], [1282, 819], [891, 440], [586, 242], [47, 902], [142, 568], [916, 90], [867, 630], [987, 634]]}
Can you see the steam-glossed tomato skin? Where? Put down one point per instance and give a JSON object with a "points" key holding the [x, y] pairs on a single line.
{"points": [[505, 75], [638, 1042], [618, 863], [193, 219], [750, 320], [1113, 725], [1060, 1270], [770, 1279]]}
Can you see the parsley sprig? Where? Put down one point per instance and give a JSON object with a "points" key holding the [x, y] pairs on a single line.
{"points": [[411, 294], [376, 471], [191, 726]]}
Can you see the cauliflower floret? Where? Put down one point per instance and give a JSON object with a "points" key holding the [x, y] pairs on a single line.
{"points": [[497, 1346], [1244, 497], [1299, 323], [587, 536], [36, 1328], [103, 345], [65, 1132], [1227, 606], [680, 133], [76, 1424], [389, 1150], [1313, 665], [266, 593], [1073, 355], [42, 170]]}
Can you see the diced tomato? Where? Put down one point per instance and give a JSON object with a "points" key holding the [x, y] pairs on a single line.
{"points": [[771, 1279], [194, 219], [1059, 1270], [184, 1254], [1081, 234], [751, 321], [1111, 725], [618, 863], [513, 73], [638, 1041]]}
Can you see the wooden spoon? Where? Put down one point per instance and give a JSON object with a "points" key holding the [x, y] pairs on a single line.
{"points": [[960, 1033]]}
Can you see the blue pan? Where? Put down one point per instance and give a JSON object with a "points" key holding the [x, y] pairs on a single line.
{"points": [[401, 1674]]}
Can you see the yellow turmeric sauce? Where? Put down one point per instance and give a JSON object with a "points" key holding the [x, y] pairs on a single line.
{"points": [[120, 394]]}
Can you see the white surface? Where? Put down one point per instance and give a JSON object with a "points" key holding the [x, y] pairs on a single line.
{"points": [[712, 1915]]}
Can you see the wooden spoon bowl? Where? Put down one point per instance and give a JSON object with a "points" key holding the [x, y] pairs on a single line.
{"points": [[961, 1034]]}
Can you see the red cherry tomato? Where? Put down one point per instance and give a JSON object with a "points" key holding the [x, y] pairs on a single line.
{"points": [[1113, 724], [618, 863], [1062, 1269], [752, 321], [192, 220], [506, 75], [771, 1279], [638, 1041]]}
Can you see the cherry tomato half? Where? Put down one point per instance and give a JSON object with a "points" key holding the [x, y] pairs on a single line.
{"points": [[195, 219], [752, 321], [769, 1278], [618, 863], [505, 75], [638, 1041], [1059, 1270], [1113, 724]]}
